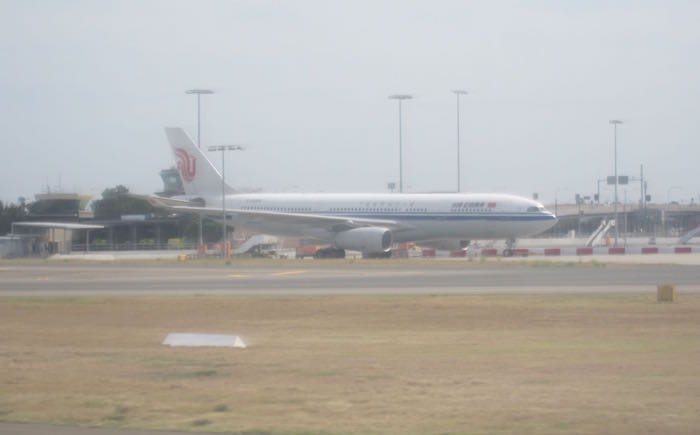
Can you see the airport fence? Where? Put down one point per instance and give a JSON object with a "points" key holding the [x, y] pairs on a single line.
{"points": [[102, 247]]}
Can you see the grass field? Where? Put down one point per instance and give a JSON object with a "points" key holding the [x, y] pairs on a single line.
{"points": [[364, 364]]}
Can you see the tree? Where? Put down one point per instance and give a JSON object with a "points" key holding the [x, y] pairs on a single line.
{"points": [[116, 202], [8, 214]]}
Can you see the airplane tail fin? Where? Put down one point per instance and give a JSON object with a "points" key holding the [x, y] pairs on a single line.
{"points": [[199, 176]]}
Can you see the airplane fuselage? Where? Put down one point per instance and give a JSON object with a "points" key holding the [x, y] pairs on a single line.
{"points": [[420, 216]]}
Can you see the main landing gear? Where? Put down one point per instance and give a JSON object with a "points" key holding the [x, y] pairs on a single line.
{"points": [[330, 253], [386, 254], [508, 252]]}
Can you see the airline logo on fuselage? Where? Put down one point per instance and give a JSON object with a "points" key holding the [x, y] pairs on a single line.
{"points": [[473, 205], [186, 164]]}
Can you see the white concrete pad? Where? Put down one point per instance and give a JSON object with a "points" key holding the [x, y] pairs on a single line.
{"points": [[203, 340]]}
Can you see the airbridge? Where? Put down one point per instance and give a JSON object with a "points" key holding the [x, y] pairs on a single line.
{"points": [[654, 220]]}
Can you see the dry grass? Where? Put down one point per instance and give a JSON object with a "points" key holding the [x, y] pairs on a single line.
{"points": [[476, 364]]}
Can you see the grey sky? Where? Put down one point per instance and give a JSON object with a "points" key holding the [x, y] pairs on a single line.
{"points": [[87, 87]]}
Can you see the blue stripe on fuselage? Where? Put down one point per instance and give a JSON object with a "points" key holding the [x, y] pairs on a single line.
{"points": [[444, 216]]}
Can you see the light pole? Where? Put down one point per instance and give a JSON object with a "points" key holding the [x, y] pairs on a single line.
{"points": [[579, 201], [223, 149], [199, 93], [400, 97], [556, 200], [615, 123], [458, 93], [668, 200], [624, 213]]}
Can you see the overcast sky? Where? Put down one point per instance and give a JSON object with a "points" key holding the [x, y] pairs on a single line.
{"points": [[87, 87]]}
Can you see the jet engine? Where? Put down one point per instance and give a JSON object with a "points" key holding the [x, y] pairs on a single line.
{"points": [[365, 239]]}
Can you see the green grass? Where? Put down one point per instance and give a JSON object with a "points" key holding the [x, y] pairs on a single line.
{"points": [[358, 364], [176, 375]]}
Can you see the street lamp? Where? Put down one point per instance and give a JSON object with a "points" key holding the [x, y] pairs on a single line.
{"points": [[668, 200], [223, 149], [458, 93], [199, 93], [556, 201], [615, 123], [400, 97]]}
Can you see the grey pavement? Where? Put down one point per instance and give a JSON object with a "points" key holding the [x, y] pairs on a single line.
{"points": [[340, 278]]}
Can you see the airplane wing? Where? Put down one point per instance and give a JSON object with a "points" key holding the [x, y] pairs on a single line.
{"points": [[331, 223], [164, 202]]}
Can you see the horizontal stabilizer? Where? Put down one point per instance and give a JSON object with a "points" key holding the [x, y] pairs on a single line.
{"points": [[164, 202]]}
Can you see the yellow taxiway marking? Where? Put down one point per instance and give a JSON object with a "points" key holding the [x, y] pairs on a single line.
{"points": [[42, 278], [5, 268], [238, 276], [291, 272]]}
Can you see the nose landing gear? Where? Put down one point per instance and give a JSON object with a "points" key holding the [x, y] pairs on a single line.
{"points": [[508, 251]]}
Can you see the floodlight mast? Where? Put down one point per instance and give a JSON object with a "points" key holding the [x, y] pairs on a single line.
{"points": [[458, 93], [400, 98], [199, 93], [223, 149], [615, 123], [668, 201]]}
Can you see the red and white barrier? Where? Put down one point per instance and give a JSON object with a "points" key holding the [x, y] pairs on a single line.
{"points": [[578, 251], [489, 252]]}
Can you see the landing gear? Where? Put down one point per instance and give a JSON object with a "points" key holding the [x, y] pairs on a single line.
{"points": [[508, 252], [330, 253], [376, 254]]}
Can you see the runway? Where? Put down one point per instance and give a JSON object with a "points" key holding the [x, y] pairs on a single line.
{"points": [[339, 278]]}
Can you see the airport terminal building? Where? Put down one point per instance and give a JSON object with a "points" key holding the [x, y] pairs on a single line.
{"points": [[60, 223]]}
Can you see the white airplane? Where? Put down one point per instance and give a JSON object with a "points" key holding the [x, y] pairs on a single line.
{"points": [[366, 222]]}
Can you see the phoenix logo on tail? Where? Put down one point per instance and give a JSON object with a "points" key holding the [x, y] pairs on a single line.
{"points": [[186, 164]]}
